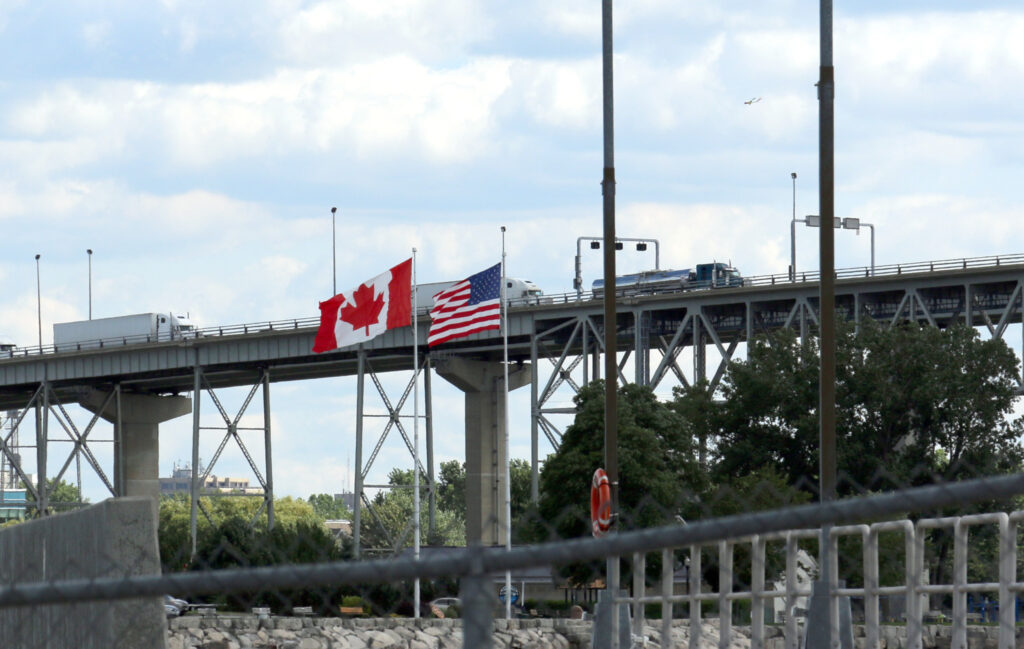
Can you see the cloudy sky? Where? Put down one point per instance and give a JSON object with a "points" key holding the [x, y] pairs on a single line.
{"points": [[198, 147]]}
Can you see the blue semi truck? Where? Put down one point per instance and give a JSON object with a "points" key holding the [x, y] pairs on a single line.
{"points": [[703, 276]]}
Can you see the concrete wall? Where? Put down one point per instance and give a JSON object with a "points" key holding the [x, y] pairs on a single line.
{"points": [[116, 538]]}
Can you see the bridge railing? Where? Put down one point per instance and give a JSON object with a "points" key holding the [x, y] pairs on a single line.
{"points": [[963, 263]]}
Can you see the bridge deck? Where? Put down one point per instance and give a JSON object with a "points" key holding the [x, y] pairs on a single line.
{"points": [[986, 295]]}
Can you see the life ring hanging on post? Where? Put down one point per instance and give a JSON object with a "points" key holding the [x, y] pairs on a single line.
{"points": [[600, 503]]}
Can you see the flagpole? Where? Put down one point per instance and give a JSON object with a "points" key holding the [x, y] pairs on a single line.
{"points": [[508, 460], [415, 437]]}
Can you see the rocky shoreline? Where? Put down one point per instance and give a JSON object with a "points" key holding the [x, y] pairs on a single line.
{"points": [[252, 632]]}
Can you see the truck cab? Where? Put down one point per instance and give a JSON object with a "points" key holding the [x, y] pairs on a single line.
{"points": [[520, 291], [718, 275]]}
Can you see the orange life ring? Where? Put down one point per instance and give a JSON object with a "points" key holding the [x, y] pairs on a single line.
{"points": [[600, 503]]}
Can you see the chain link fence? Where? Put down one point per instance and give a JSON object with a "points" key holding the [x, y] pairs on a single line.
{"points": [[718, 536]]}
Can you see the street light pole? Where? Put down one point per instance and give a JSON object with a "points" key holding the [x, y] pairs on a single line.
{"points": [[792, 235], [89, 251], [334, 254], [39, 304], [869, 225]]}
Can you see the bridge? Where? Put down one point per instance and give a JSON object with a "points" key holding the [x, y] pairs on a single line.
{"points": [[555, 346]]}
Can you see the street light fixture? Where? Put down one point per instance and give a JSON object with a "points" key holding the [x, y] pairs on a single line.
{"points": [[595, 244]]}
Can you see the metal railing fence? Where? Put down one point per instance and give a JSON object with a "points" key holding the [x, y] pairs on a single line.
{"points": [[913, 589], [474, 564], [293, 324]]}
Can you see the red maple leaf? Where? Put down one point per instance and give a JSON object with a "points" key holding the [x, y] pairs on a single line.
{"points": [[367, 308]]}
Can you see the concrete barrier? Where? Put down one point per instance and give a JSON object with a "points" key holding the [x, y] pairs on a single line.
{"points": [[116, 538]]}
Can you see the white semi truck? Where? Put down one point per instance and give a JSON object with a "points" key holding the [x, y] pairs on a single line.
{"points": [[122, 330], [519, 291]]}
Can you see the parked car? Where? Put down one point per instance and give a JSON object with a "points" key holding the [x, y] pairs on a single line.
{"points": [[444, 602], [174, 607]]}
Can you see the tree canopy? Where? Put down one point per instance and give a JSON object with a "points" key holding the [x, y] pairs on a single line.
{"points": [[658, 473], [914, 404]]}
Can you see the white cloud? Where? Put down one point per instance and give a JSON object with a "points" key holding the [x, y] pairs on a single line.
{"points": [[945, 56], [188, 36], [377, 109], [96, 34], [559, 94], [351, 30]]}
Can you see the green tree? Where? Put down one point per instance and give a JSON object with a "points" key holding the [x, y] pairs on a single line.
{"points": [[659, 476], [389, 525], [914, 405], [451, 489], [327, 508], [233, 532], [62, 496]]}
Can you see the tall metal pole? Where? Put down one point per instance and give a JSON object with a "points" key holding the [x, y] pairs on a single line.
{"points": [[89, 251], [428, 418], [826, 171], [358, 484], [42, 437], [415, 436], [197, 393], [39, 303], [508, 467], [792, 235], [334, 254], [268, 455], [611, 415], [826, 193]]}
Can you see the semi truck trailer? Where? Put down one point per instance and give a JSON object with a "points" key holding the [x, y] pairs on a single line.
{"points": [[121, 330]]}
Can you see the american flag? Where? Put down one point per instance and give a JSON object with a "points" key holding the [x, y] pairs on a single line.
{"points": [[472, 305]]}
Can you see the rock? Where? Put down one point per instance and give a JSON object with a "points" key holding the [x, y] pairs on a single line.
{"points": [[380, 640]]}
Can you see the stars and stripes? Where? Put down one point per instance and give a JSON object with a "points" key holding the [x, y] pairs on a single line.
{"points": [[472, 305]]}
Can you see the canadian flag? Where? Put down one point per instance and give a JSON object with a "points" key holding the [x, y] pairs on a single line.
{"points": [[365, 312]]}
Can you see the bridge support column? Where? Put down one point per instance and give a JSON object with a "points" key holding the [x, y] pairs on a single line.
{"points": [[137, 420], [483, 384]]}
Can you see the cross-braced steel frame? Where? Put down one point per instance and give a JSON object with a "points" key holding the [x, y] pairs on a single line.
{"points": [[394, 417], [46, 405], [231, 430]]}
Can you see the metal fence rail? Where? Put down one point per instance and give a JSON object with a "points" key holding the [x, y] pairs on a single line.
{"points": [[963, 263], [473, 564]]}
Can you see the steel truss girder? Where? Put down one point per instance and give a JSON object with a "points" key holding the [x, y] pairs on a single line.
{"points": [[698, 325], [918, 301], [231, 428], [394, 417]]}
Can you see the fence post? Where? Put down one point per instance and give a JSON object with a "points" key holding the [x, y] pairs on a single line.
{"points": [[871, 613], [791, 630], [1007, 574], [915, 610], [724, 590], [696, 631], [477, 604], [667, 591], [959, 581], [757, 568], [639, 589]]}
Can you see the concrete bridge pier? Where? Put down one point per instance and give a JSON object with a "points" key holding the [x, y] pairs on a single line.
{"points": [[483, 384], [136, 437]]}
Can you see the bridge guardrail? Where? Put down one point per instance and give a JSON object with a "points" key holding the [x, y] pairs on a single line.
{"points": [[779, 279]]}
